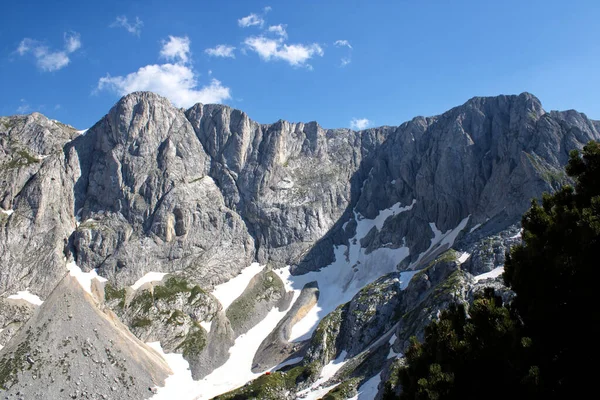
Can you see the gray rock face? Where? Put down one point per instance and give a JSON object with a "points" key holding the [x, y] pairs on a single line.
{"points": [[202, 193], [147, 202], [483, 160], [290, 182], [36, 202]]}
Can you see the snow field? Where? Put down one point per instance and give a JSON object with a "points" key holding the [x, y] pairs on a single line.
{"points": [[27, 296], [149, 277]]}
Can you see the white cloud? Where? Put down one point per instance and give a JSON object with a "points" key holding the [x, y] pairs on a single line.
{"points": [[267, 9], [23, 108], [278, 30], [272, 49], [176, 81], [72, 42], [49, 60], [342, 43], [176, 49], [221, 50], [133, 28], [345, 61], [359, 124], [251, 20]]}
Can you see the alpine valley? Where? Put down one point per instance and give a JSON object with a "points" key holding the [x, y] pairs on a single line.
{"points": [[182, 254]]}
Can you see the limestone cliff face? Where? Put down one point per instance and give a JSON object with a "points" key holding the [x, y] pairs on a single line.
{"points": [[201, 193]]}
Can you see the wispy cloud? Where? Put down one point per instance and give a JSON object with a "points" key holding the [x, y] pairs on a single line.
{"points": [[278, 30], [274, 49], [133, 28], [251, 20], [24, 107], [348, 59], [359, 123], [177, 80], [176, 49], [267, 9], [47, 59], [342, 43], [221, 50]]}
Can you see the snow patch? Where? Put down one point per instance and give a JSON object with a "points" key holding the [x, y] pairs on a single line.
{"points": [[27, 296], [83, 132], [352, 270], [206, 325], [227, 292], [488, 275], [7, 212], [291, 361], [519, 234], [149, 277], [441, 239], [405, 278], [84, 278], [463, 257], [474, 228], [316, 390], [392, 353], [181, 378], [368, 390], [233, 374]]}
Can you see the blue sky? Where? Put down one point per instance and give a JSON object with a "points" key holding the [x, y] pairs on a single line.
{"points": [[341, 63]]}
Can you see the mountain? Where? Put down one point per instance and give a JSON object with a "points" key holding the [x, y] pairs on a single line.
{"points": [[237, 248]]}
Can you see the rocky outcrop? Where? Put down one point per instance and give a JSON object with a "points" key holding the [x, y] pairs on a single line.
{"points": [[71, 348], [36, 203], [145, 199], [483, 161]]}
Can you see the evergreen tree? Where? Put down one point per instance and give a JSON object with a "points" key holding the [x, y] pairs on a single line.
{"points": [[555, 275]]}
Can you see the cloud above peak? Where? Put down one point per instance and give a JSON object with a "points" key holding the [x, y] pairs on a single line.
{"points": [[296, 55], [359, 123], [133, 28], [47, 59], [176, 49], [252, 20], [175, 80]]}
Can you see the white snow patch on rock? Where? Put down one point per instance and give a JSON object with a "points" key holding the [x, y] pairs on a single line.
{"points": [[352, 270], [488, 275], [27, 296], [233, 374], [227, 292], [206, 325], [317, 390], [368, 390], [463, 257], [7, 212], [291, 361], [84, 278], [441, 239], [392, 353], [149, 277], [474, 228], [518, 235]]}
